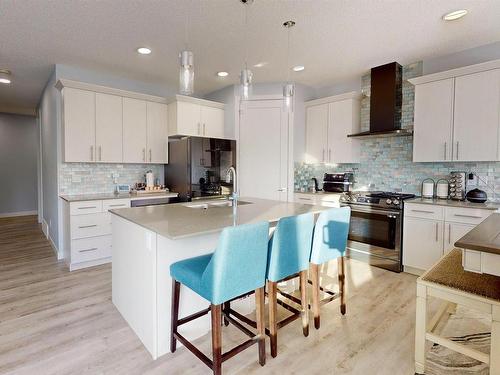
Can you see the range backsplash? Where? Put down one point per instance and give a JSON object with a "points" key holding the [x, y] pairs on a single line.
{"points": [[87, 178], [386, 163]]}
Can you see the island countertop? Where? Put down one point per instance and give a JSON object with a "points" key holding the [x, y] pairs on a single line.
{"points": [[179, 220], [453, 203], [484, 237]]}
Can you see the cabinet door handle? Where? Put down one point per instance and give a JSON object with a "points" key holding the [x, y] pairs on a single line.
{"points": [[457, 150], [100, 153], [469, 216], [117, 205], [445, 149], [306, 199], [91, 153], [150, 155], [86, 207], [323, 155], [91, 249], [143, 154], [199, 129], [204, 130], [330, 155], [423, 211], [87, 226], [437, 232], [449, 233]]}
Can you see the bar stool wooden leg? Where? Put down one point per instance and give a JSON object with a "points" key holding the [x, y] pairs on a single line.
{"points": [[226, 309], [420, 329], [495, 341], [273, 310], [216, 339], [341, 267], [176, 286], [305, 305], [261, 326], [315, 293]]}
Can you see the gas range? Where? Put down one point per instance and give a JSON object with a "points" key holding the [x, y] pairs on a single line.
{"points": [[378, 199]]}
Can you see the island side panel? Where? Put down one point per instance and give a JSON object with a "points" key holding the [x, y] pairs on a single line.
{"points": [[168, 252], [134, 279]]}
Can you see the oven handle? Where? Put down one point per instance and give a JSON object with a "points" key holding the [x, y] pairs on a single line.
{"points": [[374, 211]]}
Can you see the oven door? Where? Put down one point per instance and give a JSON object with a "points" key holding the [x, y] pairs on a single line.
{"points": [[375, 236]]}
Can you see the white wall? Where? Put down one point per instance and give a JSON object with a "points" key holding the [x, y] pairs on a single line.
{"points": [[18, 164]]}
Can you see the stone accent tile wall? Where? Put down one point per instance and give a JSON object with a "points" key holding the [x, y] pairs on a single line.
{"points": [[87, 178], [386, 163]]}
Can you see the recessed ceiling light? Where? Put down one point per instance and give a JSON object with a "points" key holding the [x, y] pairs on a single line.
{"points": [[261, 64], [455, 15], [298, 68], [144, 50], [222, 74], [5, 76]]}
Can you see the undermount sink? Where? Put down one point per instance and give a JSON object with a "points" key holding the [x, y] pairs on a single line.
{"points": [[217, 203]]}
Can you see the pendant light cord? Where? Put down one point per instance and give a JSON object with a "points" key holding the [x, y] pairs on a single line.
{"points": [[186, 29], [246, 35], [288, 57]]}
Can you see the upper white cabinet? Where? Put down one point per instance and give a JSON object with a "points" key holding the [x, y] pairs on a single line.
{"points": [[476, 116], [457, 114], [195, 117], [102, 124], [433, 121], [134, 130], [328, 122], [108, 128], [79, 125], [157, 132]]}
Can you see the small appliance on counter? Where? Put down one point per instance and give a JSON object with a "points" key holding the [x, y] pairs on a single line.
{"points": [[338, 182], [442, 187], [150, 179], [458, 185], [428, 188], [313, 187], [477, 196]]}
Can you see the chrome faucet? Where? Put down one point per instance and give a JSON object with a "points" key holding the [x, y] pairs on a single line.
{"points": [[234, 197]]}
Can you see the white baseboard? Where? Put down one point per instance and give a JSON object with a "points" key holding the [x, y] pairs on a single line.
{"points": [[19, 213], [46, 232], [45, 228]]}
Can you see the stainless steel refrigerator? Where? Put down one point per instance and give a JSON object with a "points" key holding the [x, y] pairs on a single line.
{"points": [[197, 167]]}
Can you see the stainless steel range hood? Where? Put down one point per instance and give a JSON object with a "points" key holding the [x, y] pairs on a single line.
{"points": [[385, 103]]}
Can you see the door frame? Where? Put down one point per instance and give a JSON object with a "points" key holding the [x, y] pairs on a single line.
{"points": [[239, 104]]}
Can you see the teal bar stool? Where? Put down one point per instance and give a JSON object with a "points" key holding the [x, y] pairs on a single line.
{"points": [[329, 242], [237, 267], [289, 253]]}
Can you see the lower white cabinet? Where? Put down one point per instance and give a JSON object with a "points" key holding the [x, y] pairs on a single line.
{"points": [[87, 231], [325, 199], [430, 231]]}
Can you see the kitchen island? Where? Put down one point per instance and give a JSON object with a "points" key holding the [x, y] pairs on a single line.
{"points": [[147, 240]]}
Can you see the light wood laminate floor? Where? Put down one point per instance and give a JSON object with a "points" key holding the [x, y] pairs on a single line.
{"points": [[56, 322]]}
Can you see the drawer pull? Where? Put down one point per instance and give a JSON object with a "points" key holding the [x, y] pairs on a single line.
{"points": [[88, 226], [117, 205], [305, 199], [469, 216], [86, 207], [423, 211], [86, 250]]}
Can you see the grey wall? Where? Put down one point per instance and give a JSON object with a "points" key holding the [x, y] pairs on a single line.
{"points": [[227, 95], [18, 163]]}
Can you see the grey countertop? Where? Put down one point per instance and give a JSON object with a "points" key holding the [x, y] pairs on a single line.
{"points": [[176, 221], [484, 237], [318, 193], [97, 197], [452, 203]]}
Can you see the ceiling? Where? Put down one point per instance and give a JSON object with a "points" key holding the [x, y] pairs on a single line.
{"points": [[336, 40]]}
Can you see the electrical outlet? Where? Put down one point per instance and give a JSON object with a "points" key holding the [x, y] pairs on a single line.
{"points": [[472, 181]]}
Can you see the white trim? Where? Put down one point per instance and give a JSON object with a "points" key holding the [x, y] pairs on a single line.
{"points": [[107, 90], [190, 99], [470, 69], [18, 213], [90, 263], [45, 228], [54, 247], [335, 98]]}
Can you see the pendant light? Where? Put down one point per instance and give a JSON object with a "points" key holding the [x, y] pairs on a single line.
{"points": [[186, 60], [246, 75], [289, 87]]}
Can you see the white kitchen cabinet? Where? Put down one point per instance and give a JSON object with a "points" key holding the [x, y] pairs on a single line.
{"points": [[134, 130], [432, 139], [476, 116], [195, 117], [328, 123], [316, 133], [157, 133], [321, 199], [79, 125], [108, 128], [453, 232], [457, 114], [422, 242]]}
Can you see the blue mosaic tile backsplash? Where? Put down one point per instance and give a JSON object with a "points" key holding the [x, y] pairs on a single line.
{"points": [[386, 163]]}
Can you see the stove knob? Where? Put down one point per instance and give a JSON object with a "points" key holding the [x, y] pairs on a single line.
{"points": [[395, 202], [388, 201]]}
